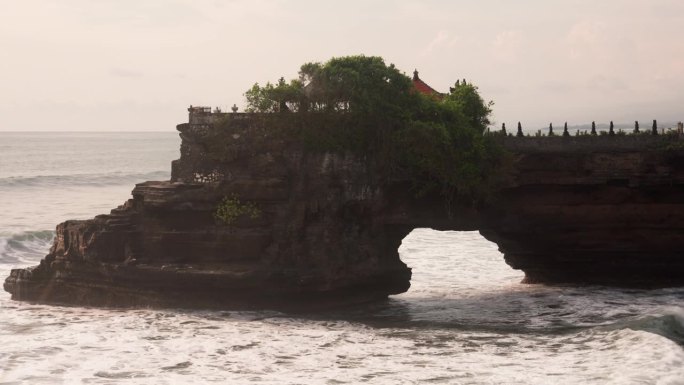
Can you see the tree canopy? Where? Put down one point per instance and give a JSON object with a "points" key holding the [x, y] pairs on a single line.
{"points": [[358, 84], [438, 141]]}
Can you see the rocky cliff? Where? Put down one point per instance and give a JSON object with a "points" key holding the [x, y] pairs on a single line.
{"points": [[605, 210], [328, 226]]}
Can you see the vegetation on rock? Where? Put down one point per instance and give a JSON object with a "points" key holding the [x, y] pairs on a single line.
{"points": [[230, 209], [360, 104]]}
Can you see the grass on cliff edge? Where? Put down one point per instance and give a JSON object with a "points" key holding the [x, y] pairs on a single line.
{"points": [[359, 104]]}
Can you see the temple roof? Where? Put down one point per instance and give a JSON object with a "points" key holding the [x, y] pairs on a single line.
{"points": [[422, 87]]}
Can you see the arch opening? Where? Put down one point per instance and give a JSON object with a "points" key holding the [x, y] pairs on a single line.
{"points": [[446, 263]]}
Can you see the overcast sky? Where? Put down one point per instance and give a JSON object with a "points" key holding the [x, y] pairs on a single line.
{"points": [[111, 65]]}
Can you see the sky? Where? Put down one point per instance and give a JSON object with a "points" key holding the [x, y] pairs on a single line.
{"points": [[136, 65]]}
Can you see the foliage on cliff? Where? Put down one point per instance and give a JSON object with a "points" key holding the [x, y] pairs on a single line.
{"points": [[360, 104], [231, 208]]}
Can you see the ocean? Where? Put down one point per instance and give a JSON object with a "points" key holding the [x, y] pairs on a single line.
{"points": [[467, 319]]}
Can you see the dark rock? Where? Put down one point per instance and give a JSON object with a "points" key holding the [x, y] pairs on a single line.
{"points": [[317, 240], [598, 213], [577, 210]]}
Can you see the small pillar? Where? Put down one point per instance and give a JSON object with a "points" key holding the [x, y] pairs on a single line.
{"points": [[636, 126], [565, 130], [593, 128], [654, 130], [503, 128], [550, 129], [611, 132], [520, 133]]}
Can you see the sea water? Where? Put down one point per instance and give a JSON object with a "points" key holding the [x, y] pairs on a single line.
{"points": [[467, 319]]}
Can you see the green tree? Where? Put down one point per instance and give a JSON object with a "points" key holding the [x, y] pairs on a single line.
{"points": [[357, 84], [281, 97], [259, 100], [469, 101], [438, 142]]}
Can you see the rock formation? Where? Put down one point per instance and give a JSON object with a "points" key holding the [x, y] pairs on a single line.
{"points": [[577, 210], [604, 210]]}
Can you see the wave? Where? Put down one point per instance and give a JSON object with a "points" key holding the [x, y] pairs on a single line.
{"points": [[24, 248], [670, 324], [98, 179]]}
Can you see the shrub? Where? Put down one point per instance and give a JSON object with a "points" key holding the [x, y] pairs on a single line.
{"points": [[230, 209]]}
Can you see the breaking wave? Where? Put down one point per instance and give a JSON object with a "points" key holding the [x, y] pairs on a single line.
{"points": [[670, 324], [26, 247]]}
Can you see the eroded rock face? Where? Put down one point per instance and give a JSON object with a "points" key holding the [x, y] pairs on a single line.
{"points": [[329, 226], [317, 240], [594, 210]]}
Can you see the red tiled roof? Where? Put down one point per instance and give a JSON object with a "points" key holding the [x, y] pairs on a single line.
{"points": [[423, 88]]}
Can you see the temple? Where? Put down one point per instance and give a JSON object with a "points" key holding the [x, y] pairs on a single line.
{"points": [[424, 88]]}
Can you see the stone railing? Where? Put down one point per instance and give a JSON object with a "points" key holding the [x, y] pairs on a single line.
{"points": [[200, 115], [607, 129], [616, 143]]}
